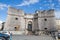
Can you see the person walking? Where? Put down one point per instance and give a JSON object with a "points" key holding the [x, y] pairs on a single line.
{"points": [[10, 36]]}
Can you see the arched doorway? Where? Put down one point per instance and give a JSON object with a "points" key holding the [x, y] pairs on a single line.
{"points": [[29, 26]]}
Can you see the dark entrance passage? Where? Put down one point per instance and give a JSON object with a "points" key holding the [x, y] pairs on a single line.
{"points": [[30, 28]]}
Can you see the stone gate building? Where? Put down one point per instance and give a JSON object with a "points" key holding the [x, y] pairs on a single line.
{"points": [[17, 20]]}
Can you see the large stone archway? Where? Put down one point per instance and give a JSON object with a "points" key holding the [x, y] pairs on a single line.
{"points": [[28, 25]]}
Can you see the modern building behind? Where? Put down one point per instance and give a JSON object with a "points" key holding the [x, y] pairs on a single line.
{"points": [[58, 24]]}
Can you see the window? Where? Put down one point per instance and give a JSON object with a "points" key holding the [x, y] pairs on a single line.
{"points": [[16, 18], [15, 28], [45, 28], [45, 19]]}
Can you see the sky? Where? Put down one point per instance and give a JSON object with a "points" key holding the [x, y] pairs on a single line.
{"points": [[28, 6]]}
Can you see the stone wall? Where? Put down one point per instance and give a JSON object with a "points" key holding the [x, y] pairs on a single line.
{"points": [[18, 21], [46, 19], [15, 19]]}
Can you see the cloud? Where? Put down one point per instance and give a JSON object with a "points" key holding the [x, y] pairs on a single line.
{"points": [[57, 13], [24, 3], [0, 22], [2, 6], [59, 0]]}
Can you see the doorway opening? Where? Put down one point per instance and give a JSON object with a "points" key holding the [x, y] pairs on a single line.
{"points": [[29, 28]]}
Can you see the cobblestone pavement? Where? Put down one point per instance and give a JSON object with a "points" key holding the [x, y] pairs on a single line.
{"points": [[30, 37]]}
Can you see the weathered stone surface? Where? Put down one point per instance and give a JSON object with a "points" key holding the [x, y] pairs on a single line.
{"points": [[18, 21]]}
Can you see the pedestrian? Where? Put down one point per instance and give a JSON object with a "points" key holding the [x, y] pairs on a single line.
{"points": [[10, 36]]}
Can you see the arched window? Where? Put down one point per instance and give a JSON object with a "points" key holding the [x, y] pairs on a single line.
{"points": [[17, 28]]}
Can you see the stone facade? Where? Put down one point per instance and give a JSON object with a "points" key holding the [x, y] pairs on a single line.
{"points": [[17, 20], [46, 20]]}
